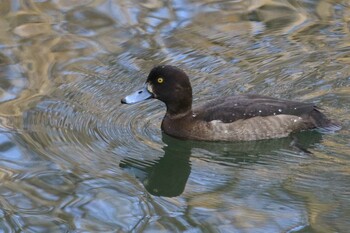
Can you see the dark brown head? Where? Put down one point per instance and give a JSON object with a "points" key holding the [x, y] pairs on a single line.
{"points": [[170, 85]]}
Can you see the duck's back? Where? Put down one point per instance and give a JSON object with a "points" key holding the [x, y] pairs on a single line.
{"points": [[254, 117]]}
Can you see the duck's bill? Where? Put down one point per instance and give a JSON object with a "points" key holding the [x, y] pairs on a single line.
{"points": [[138, 96]]}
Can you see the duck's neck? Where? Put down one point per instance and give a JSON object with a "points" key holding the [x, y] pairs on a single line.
{"points": [[178, 115], [179, 109]]}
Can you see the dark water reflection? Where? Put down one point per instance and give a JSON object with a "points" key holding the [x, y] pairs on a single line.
{"points": [[73, 159], [167, 175]]}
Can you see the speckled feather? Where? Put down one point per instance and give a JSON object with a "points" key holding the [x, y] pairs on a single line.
{"points": [[233, 108]]}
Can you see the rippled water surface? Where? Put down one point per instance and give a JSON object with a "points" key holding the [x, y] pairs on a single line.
{"points": [[73, 159]]}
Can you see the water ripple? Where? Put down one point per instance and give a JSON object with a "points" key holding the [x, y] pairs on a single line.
{"points": [[80, 114]]}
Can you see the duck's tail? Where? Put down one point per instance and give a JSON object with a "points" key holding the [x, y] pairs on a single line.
{"points": [[319, 120]]}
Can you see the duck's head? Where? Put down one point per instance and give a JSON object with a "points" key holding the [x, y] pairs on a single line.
{"points": [[170, 85]]}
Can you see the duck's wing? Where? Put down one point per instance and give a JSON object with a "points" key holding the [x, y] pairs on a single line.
{"points": [[233, 108]]}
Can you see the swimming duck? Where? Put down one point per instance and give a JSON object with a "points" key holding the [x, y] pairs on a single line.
{"points": [[232, 118]]}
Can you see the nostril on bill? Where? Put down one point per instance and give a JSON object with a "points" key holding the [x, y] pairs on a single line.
{"points": [[139, 92]]}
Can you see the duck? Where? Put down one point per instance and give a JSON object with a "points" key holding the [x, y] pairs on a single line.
{"points": [[243, 117]]}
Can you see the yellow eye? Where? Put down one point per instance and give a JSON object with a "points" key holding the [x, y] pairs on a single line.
{"points": [[160, 80]]}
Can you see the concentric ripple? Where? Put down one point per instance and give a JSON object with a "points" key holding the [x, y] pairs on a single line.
{"points": [[87, 116]]}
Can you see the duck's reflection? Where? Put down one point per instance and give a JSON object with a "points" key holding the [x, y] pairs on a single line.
{"points": [[167, 176]]}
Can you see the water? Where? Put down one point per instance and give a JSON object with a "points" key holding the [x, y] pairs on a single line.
{"points": [[73, 159]]}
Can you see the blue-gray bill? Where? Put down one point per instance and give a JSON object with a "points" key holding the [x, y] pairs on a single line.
{"points": [[137, 96]]}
